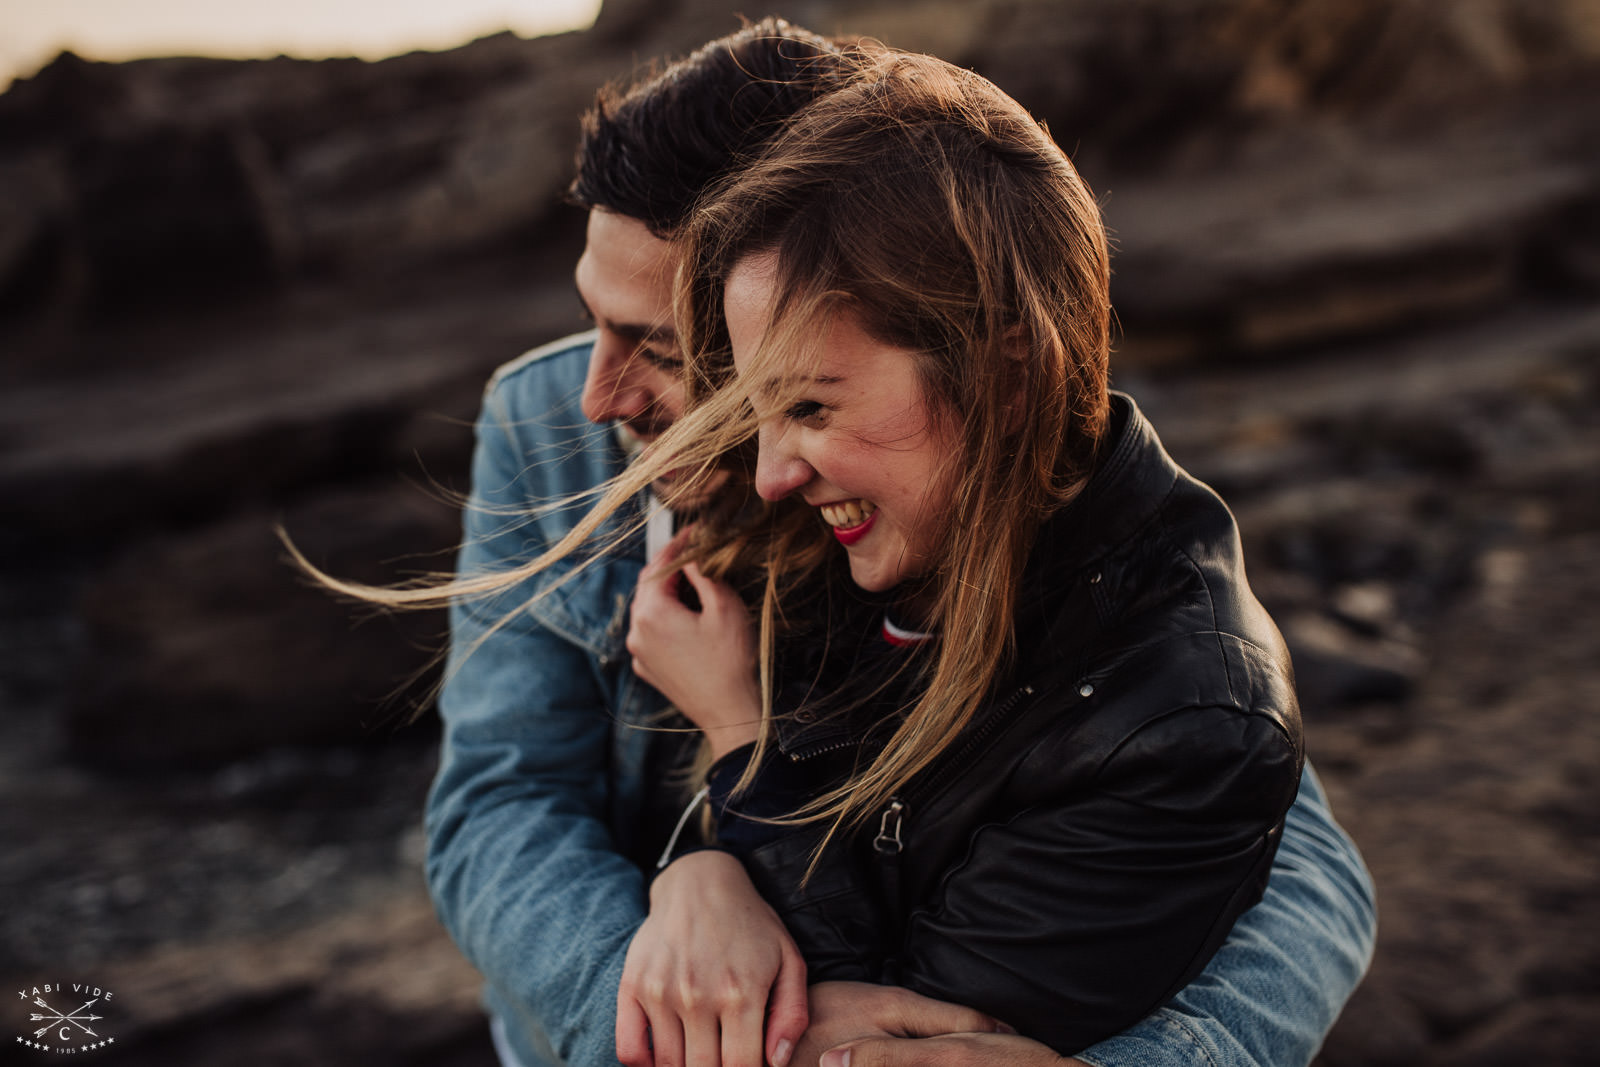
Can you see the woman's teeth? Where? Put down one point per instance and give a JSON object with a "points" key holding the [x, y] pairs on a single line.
{"points": [[847, 514]]}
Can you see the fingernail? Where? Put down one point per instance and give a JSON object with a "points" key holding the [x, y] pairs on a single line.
{"points": [[780, 1055], [839, 1057], [1002, 1028]]}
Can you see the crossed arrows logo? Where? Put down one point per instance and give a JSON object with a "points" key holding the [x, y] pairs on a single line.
{"points": [[55, 1018]]}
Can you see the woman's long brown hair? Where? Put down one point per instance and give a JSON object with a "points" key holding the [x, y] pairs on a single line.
{"points": [[929, 206]]}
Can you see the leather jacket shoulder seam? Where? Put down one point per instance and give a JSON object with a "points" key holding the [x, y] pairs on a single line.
{"points": [[1277, 728]]}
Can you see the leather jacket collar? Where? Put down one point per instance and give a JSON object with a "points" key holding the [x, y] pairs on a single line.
{"points": [[1126, 490]]}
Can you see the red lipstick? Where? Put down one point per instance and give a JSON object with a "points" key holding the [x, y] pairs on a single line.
{"points": [[850, 536]]}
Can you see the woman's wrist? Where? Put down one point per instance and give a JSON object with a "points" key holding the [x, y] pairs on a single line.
{"points": [[725, 739], [694, 863]]}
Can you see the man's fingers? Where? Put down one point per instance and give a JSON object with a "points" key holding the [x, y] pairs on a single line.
{"points": [[788, 1014], [903, 1052], [921, 1016], [951, 1050], [906, 1052], [879, 1053]]}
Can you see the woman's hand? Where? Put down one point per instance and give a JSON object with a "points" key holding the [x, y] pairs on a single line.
{"points": [[703, 661], [706, 970]]}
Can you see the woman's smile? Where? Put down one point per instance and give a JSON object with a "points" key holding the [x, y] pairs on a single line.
{"points": [[850, 519], [854, 436]]}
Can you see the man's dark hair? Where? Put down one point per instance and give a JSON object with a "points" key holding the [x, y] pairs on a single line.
{"points": [[649, 151]]}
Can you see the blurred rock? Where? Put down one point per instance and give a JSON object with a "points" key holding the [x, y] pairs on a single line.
{"points": [[173, 172], [378, 983], [1335, 666], [185, 420], [208, 647], [1348, 167], [163, 214], [1557, 1032]]}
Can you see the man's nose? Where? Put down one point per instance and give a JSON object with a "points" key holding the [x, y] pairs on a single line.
{"points": [[612, 390], [780, 470]]}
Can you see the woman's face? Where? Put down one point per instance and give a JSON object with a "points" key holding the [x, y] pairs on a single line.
{"points": [[862, 444]]}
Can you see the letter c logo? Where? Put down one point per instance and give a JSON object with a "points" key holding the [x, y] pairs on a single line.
{"points": [[64, 1034]]}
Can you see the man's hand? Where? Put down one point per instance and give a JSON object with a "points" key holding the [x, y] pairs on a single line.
{"points": [[951, 1050], [851, 1014], [712, 977]]}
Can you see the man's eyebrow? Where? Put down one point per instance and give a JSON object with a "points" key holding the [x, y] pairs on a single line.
{"points": [[638, 333]]}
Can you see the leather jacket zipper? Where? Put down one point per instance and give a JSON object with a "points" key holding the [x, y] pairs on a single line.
{"points": [[889, 845], [888, 842], [958, 758], [822, 750]]}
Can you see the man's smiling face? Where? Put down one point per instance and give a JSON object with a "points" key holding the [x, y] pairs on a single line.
{"points": [[624, 279]]}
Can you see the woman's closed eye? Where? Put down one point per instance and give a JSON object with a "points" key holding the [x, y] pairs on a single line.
{"points": [[807, 413]]}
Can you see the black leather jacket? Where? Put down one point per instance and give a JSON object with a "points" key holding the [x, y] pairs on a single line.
{"points": [[1081, 852]]}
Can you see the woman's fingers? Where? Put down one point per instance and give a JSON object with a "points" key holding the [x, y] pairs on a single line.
{"points": [[633, 1032], [658, 587], [702, 1043], [702, 585], [741, 1037], [704, 660], [667, 1040], [703, 969], [716, 598], [787, 1013], [670, 551]]}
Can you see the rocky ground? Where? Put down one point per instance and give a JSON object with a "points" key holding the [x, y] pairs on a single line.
{"points": [[1358, 260]]}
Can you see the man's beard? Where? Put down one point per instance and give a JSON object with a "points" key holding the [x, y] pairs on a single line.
{"points": [[634, 435]]}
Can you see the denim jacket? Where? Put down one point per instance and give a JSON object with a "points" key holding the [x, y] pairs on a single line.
{"points": [[540, 789]]}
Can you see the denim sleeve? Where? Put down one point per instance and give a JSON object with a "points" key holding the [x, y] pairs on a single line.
{"points": [[521, 863], [1274, 989]]}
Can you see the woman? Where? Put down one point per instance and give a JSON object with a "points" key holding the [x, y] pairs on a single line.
{"points": [[1021, 738]]}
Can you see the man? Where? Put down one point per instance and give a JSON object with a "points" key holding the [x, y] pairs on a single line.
{"points": [[554, 796]]}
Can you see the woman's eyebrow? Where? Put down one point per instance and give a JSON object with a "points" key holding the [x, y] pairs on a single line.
{"points": [[776, 385]]}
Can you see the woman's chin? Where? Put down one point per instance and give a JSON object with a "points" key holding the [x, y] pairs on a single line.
{"points": [[875, 578], [871, 578]]}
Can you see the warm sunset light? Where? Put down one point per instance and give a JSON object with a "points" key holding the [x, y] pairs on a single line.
{"points": [[31, 33]]}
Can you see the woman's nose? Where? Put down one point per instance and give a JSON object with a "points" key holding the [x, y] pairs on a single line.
{"points": [[779, 468]]}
